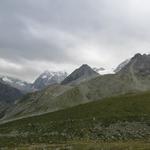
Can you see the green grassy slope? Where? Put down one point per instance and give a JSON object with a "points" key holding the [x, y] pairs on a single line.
{"points": [[123, 117], [130, 105]]}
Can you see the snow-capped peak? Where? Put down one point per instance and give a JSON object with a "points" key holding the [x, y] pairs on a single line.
{"points": [[49, 78], [50, 74]]}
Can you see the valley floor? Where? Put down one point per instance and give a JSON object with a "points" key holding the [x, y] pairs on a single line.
{"points": [[92, 145]]}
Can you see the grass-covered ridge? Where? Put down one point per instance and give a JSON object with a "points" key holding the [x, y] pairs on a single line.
{"points": [[121, 107], [123, 117]]}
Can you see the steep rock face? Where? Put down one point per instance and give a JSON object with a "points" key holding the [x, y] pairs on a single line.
{"points": [[122, 65], [49, 78], [139, 70], [81, 74], [139, 64]]}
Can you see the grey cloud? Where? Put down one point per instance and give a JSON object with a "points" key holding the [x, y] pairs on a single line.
{"points": [[70, 31]]}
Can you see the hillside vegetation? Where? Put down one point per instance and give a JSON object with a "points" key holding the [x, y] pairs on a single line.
{"points": [[117, 118]]}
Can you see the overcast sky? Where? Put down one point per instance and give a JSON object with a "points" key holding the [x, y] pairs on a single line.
{"points": [[38, 35]]}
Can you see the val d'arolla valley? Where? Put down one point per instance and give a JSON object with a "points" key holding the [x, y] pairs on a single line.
{"points": [[82, 110]]}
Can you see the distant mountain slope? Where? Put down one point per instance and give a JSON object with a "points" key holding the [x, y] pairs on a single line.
{"points": [[59, 97], [37, 102], [124, 117], [139, 65], [45, 79], [16, 83], [49, 78], [138, 69], [122, 65], [81, 74], [128, 80], [8, 94]]}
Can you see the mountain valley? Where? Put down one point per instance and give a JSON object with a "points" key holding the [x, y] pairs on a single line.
{"points": [[82, 106]]}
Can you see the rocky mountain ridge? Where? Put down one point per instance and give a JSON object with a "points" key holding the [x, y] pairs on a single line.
{"points": [[81, 74]]}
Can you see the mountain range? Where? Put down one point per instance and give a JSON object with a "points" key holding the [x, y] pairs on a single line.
{"points": [[132, 78], [50, 78], [45, 79]]}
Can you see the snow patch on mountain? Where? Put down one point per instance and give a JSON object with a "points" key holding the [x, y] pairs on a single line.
{"points": [[6, 79], [103, 71], [23, 86]]}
